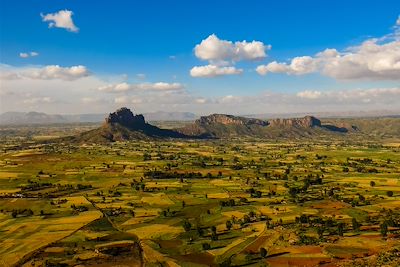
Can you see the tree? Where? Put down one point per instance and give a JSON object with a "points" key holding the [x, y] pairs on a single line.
{"points": [[263, 252], [214, 236], [187, 225], [228, 225], [146, 156], [200, 231], [340, 229], [206, 246], [320, 232], [372, 183], [389, 193], [356, 225], [14, 214], [384, 229]]}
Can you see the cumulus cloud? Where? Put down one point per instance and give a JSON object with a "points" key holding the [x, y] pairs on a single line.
{"points": [[158, 86], [222, 54], [213, 71], [215, 50], [56, 72], [60, 19], [373, 59]]}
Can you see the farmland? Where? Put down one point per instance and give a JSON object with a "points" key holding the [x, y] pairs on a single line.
{"points": [[238, 202]]}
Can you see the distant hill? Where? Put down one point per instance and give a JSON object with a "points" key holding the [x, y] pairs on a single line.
{"points": [[20, 118], [332, 114], [30, 118], [223, 126]]}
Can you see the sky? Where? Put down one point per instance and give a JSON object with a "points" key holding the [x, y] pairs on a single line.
{"points": [[237, 57]]}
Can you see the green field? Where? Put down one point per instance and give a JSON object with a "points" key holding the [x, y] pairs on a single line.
{"points": [[199, 203]]}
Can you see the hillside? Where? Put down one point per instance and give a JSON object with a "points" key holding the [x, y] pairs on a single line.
{"points": [[222, 126]]}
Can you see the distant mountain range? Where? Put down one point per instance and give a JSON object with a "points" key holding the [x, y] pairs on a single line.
{"points": [[19, 118]]}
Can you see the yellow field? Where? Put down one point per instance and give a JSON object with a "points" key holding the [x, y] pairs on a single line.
{"points": [[28, 234], [156, 231]]}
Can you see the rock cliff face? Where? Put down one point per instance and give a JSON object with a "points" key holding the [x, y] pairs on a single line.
{"points": [[306, 122], [223, 126], [125, 117], [229, 120]]}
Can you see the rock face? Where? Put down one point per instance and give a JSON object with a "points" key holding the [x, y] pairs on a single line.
{"points": [[229, 120], [306, 122], [125, 117]]}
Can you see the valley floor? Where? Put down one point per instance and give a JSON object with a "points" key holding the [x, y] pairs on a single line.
{"points": [[200, 203]]}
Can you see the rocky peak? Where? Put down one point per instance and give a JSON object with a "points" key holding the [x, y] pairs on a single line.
{"points": [[306, 122], [229, 120], [125, 117]]}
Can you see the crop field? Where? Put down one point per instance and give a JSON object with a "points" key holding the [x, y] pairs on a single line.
{"points": [[242, 202]]}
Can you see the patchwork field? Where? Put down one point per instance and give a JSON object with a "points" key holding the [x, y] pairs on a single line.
{"points": [[244, 202]]}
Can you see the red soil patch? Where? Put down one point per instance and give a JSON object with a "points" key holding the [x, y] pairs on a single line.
{"points": [[296, 261]]}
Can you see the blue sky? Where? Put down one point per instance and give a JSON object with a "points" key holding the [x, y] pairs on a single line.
{"points": [[117, 40]]}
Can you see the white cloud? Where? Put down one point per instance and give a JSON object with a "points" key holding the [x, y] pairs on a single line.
{"points": [[159, 86], [201, 100], [213, 71], [60, 19], [56, 72], [222, 54], [126, 100], [398, 21], [377, 59], [93, 100], [385, 95], [216, 50], [49, 72], [30, 54], [309, 94], [37, 100], [121, 100]]}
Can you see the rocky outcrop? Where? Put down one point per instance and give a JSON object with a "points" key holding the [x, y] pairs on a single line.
{"points": [[229, 120], [123, 125], [125, 117], [306, 122]]}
